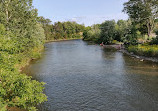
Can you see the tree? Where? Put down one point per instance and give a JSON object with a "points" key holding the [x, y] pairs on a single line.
{"points": [[92, 33], [20, 19], [142, 12], [85, 33], [121, 29], [20, 34], [107, 32], [44, 21]]}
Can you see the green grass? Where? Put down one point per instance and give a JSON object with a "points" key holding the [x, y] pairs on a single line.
{"points": [[116, 42], [144, 50]]}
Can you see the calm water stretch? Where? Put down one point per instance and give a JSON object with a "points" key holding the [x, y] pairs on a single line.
{"points": [[82, 77]]}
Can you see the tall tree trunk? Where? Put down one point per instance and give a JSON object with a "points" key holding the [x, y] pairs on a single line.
{"points": [[7, 13], [150, 25], [149, 28]]}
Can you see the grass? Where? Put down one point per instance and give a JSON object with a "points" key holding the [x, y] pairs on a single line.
{"points": [[116, 42], [144, 50]]}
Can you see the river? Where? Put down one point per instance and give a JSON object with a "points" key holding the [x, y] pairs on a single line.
{"points": [[82, 77]]}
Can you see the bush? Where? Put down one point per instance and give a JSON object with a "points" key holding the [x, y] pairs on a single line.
{"points": [[18, 90], [144, 50], [154, 41]]}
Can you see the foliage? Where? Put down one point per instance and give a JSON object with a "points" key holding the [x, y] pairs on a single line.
{"points": [[20, 34], [107, 32], [131, 36], [142, 12], [143, 21], [92, 33], [67, 30], [154, 41], [61, 30], [19, 90], [122, 31], [85, 33], [144, 50]]}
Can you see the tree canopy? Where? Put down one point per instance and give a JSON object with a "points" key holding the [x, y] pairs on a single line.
{"points": [[61, 30], [20, 36], [142, 12]]}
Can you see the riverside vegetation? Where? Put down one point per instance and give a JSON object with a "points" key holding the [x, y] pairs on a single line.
{"points": [[61, 30], [23, 34], [22, 37], [139, 33]]}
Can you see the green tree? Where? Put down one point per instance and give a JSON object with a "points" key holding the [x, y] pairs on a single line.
{"points": [[107, 32], [20, 33], [143, 12], [85, 33], [121, 29], [20, 18], [93, 34], [47, 26]]}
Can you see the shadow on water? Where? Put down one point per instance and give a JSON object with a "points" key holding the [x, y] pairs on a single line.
{"points": [[82, 77]]}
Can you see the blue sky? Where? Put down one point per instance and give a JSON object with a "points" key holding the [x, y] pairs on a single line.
{"points": [[86, 12]]}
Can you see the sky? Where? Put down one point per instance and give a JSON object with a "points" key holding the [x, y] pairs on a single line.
{"points": [[86, 12]]}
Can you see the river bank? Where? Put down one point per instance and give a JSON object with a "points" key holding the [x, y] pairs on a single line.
{"points": [[122, 49], [142, 58], [27, 58], [33, 54], [58, 40]]}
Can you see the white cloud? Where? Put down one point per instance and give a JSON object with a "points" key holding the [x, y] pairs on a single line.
{"points": [[95, 19]]}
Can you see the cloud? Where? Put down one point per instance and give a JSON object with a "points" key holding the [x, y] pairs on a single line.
{"points": [[96, 19], [77, 19], [116, 16]]}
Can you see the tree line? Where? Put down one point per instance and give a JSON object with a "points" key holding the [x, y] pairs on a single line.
{"points": [[109, 31], [61, 30], [141, 25]]}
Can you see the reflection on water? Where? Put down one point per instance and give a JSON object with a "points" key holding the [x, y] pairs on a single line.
{"points": [[82, 77]]}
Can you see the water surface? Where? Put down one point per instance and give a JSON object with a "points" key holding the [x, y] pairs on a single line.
{"points": [[82, 77]]}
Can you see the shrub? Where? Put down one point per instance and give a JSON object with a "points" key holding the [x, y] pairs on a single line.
{"points": [[154, 41], [18, 90], [144, 50]]}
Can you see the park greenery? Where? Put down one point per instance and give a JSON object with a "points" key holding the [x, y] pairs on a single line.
{"points": [[139, 33]]}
